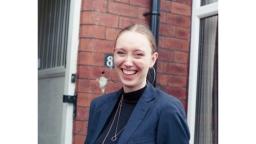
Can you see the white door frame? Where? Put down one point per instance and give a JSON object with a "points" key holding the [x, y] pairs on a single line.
{"points": [[71, 67], [198, 12]]}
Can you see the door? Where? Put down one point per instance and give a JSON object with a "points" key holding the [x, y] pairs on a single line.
{"points": [[58, 26]]}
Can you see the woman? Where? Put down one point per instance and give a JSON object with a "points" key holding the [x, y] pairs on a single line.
{"points": [[138, 113]]}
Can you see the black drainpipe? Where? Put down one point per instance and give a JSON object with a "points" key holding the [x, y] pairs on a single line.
{"points": [[154, 25]]}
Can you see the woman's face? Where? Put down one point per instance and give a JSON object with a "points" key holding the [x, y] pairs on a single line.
{"points": [[133, 57]]}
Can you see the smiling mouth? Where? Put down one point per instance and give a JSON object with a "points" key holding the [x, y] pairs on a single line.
{"points": [[129, 72]]}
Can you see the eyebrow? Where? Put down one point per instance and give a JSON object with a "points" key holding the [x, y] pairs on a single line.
{"points": [[138, 50], [123, 49], [118, 49]]}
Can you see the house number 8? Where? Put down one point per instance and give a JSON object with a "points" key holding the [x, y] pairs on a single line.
{"points": [[109, 60]]}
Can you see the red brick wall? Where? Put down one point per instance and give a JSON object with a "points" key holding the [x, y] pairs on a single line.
{"points": [[174, 40], [101, 20]]}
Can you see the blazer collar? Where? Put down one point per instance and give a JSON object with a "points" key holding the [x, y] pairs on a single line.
{"points": [[136, 117], [104, 112], [138, 113]]}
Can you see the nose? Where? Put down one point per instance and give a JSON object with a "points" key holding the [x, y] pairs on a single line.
{"points": [[128, 62]]}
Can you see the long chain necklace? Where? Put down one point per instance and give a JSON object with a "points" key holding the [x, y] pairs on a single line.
{"points": [[114, 138]]}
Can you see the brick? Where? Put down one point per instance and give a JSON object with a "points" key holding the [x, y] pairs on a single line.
{"points": [[113, 75], [178, 20], [169, 43], [141, 3], [90, 96], [166, 55], [181, 57], [82, 113], [104, 19], [173, 44], [182, 9], [92, 31], [90, 72], [95, 5], [172, 68], [80, 127], [124, 21], [92, 87], [142, 11], [108, 73], [166, 30], [182, 33], [178, 92], [108, 20], [162, 67], [79, 139], [83, 101], [88, 17], [113, 86], [185, 45], [96, 45], [88, 86], [111, 33], [177, 69], [187, 2], [178, 81], [123, 1], [91, 58], [165, 5], [122, 9], [162, 79], [162, 17]]}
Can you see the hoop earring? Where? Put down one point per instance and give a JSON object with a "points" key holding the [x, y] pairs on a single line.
{"points": [[152, 75]]}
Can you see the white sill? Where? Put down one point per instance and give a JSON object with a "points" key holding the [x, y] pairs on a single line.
{"points": [[51, 72]]}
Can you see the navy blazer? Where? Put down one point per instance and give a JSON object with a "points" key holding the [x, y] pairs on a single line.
{"points": [[157, 118]]}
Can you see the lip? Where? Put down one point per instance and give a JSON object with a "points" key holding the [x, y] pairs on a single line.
{"points": [[128, 72]]}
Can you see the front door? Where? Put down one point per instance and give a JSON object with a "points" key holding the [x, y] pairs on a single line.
{"points": [[58, 26]]}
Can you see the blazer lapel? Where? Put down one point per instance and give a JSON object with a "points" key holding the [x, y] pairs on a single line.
{"points": [[138, 114], [104, 112]]}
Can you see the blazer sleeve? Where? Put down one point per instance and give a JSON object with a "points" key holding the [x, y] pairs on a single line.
{"points": [[90, 125], [172, 126]]}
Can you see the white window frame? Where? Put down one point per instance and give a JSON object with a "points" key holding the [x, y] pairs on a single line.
{"points": [[71, 67], [198, 12]]}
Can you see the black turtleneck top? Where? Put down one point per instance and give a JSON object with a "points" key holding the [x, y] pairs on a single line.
{"points": [[129, 102]]}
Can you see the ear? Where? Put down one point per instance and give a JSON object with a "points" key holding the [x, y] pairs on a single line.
{"points": [[154, 58]]}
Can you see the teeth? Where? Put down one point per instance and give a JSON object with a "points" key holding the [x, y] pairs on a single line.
{"points": [[129, 72]]}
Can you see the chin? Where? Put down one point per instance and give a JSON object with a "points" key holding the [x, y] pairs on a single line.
{"points": [[129, 83]]}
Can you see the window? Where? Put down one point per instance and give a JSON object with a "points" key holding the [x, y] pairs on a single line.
{"points": [[203, 73], [205, 2], [207, 84], [53, 16]]}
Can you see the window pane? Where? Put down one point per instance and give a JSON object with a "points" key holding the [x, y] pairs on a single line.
{"points": [[206, 126], [53, 16], [205, 2]]}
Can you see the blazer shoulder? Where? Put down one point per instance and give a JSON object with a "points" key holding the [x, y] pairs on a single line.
{"points": [[169, 101], [104, 98]]}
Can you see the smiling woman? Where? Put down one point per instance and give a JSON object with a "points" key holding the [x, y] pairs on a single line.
{"points": [[138, 112], [133, 57]]}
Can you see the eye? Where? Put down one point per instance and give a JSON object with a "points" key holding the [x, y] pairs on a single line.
{"points": [[140, 54], [121, 53]]}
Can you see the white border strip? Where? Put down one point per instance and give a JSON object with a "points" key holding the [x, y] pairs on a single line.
{"points": [[197, 13], [207, 10], [71, 66]]}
